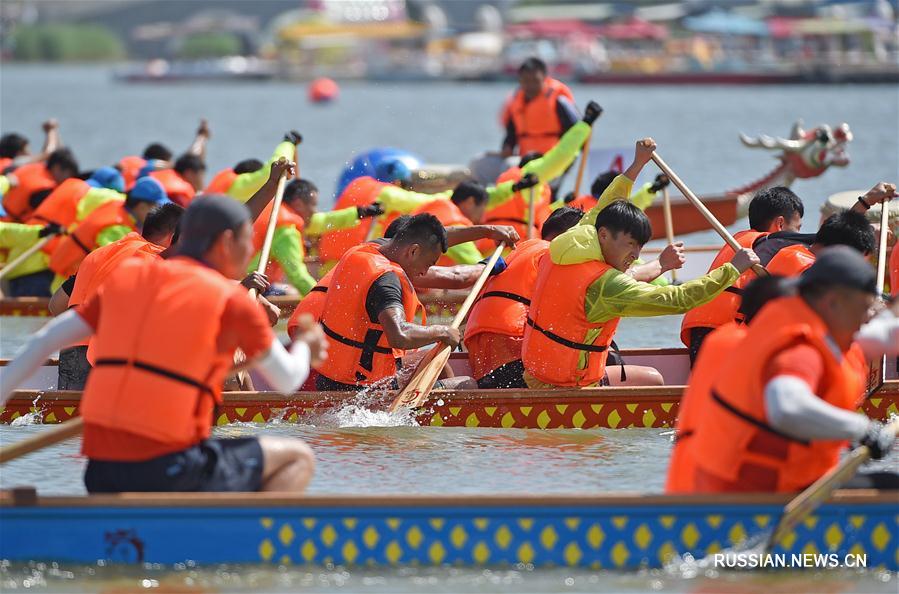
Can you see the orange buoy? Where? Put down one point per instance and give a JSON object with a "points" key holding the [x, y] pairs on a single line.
{"points": [[323, 90]]}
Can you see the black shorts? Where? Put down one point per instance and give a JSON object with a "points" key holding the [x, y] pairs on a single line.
{"points": [[212, 465], [73, 368], [507, 375]]}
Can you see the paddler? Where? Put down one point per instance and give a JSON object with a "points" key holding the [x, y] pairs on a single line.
{"points": [[298, 218], [719, 345], [14, 149], [538, 113], [371, 307], [166, 332], [245, 178], [30, 278], [784, 403], [547, 166], [642, 198], [109, 222], [159, 156], [155, 236], [183, 180], [75, 198], [29, 183]]}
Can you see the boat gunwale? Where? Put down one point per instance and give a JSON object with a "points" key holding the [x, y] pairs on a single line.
{"points": [[10, 499]]}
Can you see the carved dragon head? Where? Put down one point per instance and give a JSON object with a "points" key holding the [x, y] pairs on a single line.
{"points": [[808, 153]]}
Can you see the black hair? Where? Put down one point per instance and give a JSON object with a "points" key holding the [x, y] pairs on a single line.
{"points": [[561, 220], [423, 228], [63, 158], [847, 228], [12, 144], [528, 157], [157, 152], [86, 175], [38, 196], [161, 221], [623, 217], [770, 203], [397, 224], [299, 189], [532, 65], [760, 291], [602, 181], [248, 166], [469, 189], [189, 162]]}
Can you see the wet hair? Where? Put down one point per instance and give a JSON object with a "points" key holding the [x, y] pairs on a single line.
{"points": [[300, 189], [397, 224], [189, 162], [623, 217], [770, 203], [38, 196], [760, 291], [424, 229], [602, 181], [63, 158], [847, 228], [528, 157], [157, 152], [469, 189], [532, 65], [248, 166], [162, 221], [12, 144], [561, 220]]}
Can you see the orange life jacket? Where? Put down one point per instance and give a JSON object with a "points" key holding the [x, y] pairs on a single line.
{"points": [[33, 177], [536, 121], [735, 444], [502, 306], [561, 347], [358, 351], [717, 347], [514, 212], [176, 187], [448, 214], [79, 243], [362, 191], [313, 304], [130, 168], [894, 271], [585, 202], [158, 372], [100, 263], [791, 261], [60, 207], [287, 217], [222, 182], [4, 163], [723, 308]]}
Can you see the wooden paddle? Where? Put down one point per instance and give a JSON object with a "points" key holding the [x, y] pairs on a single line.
{"points": [[882, 246], [669, 225], [531, 208], [807, 501], [705, 212], [62, 432], [11, 265], [422, 381], [585, 152]]}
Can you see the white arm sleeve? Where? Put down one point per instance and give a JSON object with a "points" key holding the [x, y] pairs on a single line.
{"points": [[794, 409], [880, 336], [59, 333], [285, 371]]}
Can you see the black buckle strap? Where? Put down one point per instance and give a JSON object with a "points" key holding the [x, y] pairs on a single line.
{"points": [[753, 421], [507, 295], [157, 370], [592, 348], [735, 291], [369, 347], [77, 241], [319, 288]]}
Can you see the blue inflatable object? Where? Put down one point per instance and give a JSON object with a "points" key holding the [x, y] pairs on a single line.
{"points": [[385, 164]]}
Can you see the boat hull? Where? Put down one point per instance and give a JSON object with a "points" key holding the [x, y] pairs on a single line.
{"points": [[627, 531]]}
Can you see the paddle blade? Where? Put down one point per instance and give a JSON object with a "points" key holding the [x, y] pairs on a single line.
{"points": [[423, 379], [42, 440]]}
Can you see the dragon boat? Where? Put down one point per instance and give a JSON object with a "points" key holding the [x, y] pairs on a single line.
{"points": [[618, 531], [607, 407]]}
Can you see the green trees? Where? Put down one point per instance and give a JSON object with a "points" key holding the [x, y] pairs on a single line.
{"points": [[66, 43]]}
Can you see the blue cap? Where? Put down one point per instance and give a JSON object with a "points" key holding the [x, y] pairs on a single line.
{"points": [[148, 190], [107, 177], [392, 170]]}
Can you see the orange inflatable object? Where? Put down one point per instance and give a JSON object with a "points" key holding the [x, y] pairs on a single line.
{"points": [[323, 90]]}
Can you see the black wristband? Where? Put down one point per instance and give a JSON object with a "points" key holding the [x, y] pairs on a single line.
{"points": [[861, 200]]}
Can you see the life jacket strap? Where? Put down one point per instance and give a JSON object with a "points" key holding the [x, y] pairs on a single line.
{"points": [[580, 346], [507, 295], [154, 369], [752, 420]]}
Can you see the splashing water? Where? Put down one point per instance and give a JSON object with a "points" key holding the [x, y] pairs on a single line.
{"points": [[34, 417], [367, 409]]}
